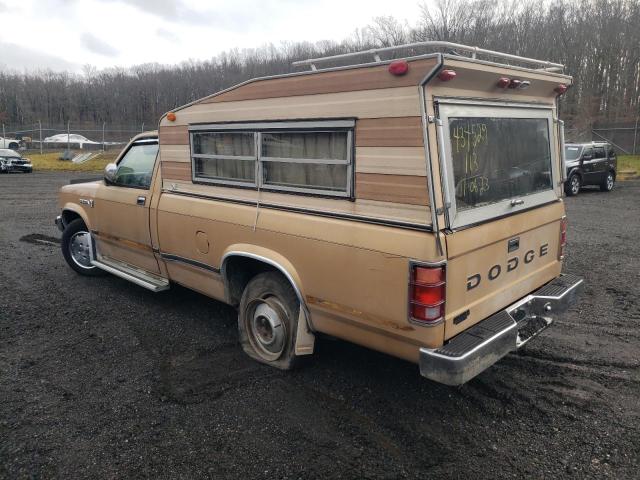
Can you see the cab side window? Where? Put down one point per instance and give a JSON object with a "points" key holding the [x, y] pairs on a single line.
{"points": [[587, 154], [599, 152], [136, 167]]}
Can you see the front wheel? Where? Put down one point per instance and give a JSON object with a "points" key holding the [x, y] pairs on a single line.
{"points": [[75, 248], [572, 187], [608, 183], [268, 320]]}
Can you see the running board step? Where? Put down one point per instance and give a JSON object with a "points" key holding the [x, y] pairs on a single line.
{"points": [[134, 275]]}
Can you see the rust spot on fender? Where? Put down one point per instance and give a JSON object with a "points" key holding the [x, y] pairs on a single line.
{"points": [[365, 317]]}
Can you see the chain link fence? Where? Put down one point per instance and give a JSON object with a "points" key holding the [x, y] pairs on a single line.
{"points": [[72, 136], [624, 136]]}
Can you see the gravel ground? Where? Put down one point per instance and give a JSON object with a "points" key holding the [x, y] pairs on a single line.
{"points": [[102, 379]]}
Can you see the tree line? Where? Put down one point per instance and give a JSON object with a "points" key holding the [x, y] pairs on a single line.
{"points": [[597, 40]]}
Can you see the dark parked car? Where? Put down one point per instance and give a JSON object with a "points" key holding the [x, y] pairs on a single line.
{"points": [[593, 163], [11, 161]]}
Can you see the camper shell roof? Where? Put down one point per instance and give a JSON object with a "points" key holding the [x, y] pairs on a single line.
{"points": [[540, 68]]}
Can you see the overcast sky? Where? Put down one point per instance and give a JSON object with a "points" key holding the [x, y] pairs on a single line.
{"points": [[67, 34]]}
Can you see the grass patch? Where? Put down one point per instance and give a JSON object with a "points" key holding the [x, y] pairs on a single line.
{"points": [[50, 161], [629, 162]]}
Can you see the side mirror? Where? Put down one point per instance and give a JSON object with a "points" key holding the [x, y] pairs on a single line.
{"points": [[587, 157], [110, 173]]}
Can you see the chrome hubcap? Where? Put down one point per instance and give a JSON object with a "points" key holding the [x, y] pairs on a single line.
{"points": [[267, 329], [79, 249], [610, 182]]}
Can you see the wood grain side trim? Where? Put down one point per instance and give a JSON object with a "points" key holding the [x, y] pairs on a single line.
{"points": [[384, 102], [322, 213], [391, 160], [176, 171], [174, 135], [389, 132], [392, 188], [327, 82], [387, 211], [175, 153]]}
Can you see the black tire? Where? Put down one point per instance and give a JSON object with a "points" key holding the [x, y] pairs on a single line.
{"points": [[608, 183], [77, 227], [269, 296], [573, 185]]}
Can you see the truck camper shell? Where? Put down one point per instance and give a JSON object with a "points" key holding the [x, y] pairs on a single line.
{"points": [[412, 205], [394, 179]]}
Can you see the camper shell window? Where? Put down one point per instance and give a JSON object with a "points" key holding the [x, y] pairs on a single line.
{"points": [[306, 157], [224, 156], [501, 158]]}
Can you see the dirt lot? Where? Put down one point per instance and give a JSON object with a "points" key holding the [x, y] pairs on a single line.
{"points": [[102, 379]]}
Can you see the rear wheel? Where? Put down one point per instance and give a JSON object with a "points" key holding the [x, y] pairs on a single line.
{"points": [[268, 320], [572, 187], [75, 248], [608, 183]]}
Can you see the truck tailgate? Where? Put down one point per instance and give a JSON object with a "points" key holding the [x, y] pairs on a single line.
{"points": [[491, 266]]}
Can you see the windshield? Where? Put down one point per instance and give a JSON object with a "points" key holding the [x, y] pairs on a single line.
{"points": [[498, 158], [571, 153]]}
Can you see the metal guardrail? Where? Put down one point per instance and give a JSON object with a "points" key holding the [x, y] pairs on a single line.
{"points": [[475, 51]]}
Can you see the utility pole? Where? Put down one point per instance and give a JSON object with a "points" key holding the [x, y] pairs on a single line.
{"points": [[40, 128], [635, 134]]}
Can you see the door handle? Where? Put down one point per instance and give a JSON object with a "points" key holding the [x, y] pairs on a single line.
{"points": [[141, 200], [515, 203]]}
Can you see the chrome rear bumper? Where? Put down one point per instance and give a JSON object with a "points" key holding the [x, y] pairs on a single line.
{"points": [[480, 346]]}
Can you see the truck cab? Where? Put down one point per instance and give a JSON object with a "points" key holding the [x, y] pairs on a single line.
{"points": [[411, 205]]}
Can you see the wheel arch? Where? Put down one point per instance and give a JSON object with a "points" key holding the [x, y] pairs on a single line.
{"points": [[575, 171], [70, 212], [255, 259]]}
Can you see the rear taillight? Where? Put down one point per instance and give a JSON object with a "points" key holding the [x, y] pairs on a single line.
{"points": [[563, 237], [426, 293]]}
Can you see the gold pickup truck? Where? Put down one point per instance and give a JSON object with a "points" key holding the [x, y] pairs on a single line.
{"points": [[410, 205]]}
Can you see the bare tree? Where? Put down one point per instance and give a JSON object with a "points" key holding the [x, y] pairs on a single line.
{"points": [[596, 39]]}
